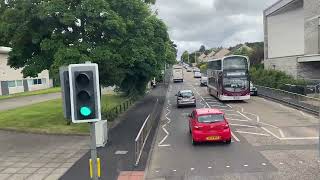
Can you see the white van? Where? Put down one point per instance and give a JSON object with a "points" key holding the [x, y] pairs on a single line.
{"points": [[177, 74]]}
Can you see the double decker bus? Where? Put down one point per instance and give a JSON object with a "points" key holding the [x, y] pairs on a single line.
{"points": [[228, 78]]}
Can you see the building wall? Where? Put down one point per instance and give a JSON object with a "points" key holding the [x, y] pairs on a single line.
{"points": [[311, 15], [309, 70], [286, 33], [15, 78], [288, 64]]}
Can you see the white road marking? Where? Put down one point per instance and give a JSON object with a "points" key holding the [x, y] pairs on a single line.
{"points": [[306, 115], [242, 125], [246, 165], [191, 169], [227, 166], [281, 163], [157, 171], [300, 162], [121, 152], [260, 134], [299, 138], [241, 120], [234, 115], [263, 164], [281, 133], [229, 105], [270, 132], [160, 144], [244, 116], [235, 137], [269, 125], [209, 167]]}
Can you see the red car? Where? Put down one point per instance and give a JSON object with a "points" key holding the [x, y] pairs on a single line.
{"points": [[209, 125]]}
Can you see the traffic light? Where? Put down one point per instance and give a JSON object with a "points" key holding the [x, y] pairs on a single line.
{"points": [[84, 93]]}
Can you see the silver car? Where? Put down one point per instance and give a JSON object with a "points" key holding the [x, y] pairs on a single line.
{"points": [[186, 98]]}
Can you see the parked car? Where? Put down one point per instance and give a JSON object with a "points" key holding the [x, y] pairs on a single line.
{"points": [[186, 98], [204, 81], [253, 90], [197, 74], [195, 69], [209, 125], [189, 69]]}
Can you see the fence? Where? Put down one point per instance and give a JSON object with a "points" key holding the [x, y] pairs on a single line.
{"points": [[144, 133], [114, 112], [307, 103]]}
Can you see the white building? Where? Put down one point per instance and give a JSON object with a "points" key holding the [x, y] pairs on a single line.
{"points": [[292, 38], [12, 81]]}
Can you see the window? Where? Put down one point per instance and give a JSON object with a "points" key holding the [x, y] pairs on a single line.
{"points": [[19, 83], [39, 81], [11, 83], [211, 118], [30, 82]]}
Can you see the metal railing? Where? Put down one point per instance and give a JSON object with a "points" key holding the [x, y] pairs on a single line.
{"points": [[114, 112], [144, 132], [306, 103]]}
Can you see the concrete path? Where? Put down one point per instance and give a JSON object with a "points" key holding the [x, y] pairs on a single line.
{"points": [[35, 156], [13, 103]]}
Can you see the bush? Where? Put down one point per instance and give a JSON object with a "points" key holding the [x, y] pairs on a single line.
{"points": [[276, 79]]}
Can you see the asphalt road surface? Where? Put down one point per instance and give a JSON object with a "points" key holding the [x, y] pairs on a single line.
{"points": [[269, 141]]}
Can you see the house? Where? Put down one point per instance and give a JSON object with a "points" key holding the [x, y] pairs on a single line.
{"points": [[202, 57], [12, 81], [220, 54], [292, 38]]}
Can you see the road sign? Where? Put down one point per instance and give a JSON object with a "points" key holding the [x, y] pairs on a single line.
{"points": [[84, 93]]}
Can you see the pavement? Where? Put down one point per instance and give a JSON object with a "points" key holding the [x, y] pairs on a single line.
{"points": [[35, 156], [118, 158], [269, 141], [13, 103]]}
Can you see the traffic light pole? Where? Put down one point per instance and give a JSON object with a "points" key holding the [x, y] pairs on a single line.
{"points": [[93, 149]]}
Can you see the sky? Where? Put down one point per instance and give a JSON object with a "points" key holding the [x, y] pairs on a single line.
{"points": [[213, 23]]}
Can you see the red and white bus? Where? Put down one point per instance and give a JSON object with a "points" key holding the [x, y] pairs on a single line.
{"points": [[228, 78]]}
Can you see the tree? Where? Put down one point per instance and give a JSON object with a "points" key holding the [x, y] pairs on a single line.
{"points": [[129, 44], [202, 49], [185, 57]]}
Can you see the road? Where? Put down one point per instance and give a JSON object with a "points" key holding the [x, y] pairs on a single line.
{"points": [[269, 141]]}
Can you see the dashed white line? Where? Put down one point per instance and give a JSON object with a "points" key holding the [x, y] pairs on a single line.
{"points": [[191, 169], [246, 165], [227, 166], [306, 115], [174, 170], [235, 137], [263, 164], [253, 133], [281, 163], [209, 167]]}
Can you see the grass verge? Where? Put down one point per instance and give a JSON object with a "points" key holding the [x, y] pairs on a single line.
{"points": [[31, 93], [47, 117]]}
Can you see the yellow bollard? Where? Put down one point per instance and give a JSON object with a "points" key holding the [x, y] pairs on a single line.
{"points": [[98, 167]]}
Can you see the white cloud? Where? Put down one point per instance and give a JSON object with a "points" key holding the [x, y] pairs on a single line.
{"points": [[212, 23]]}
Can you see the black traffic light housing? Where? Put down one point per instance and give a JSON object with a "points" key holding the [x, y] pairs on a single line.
{"points": [[84, 93]]}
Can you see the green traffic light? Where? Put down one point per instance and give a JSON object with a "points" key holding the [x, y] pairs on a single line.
{"points": [[85, 111]]}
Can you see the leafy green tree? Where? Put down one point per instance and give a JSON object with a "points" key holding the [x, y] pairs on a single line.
{"points": [[122, 36], [202, 49], [184, 56]]}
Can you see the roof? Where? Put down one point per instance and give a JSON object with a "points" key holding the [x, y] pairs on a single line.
{"points": [[277, 5], [208, 111], [221, 53], [4, 50]]}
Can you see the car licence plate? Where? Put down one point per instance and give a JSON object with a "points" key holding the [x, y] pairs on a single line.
{"points": [[212, 138], [236, 97]]}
